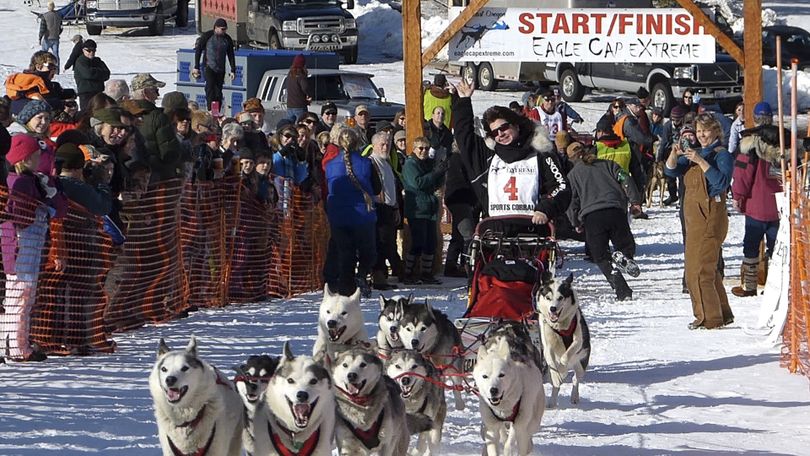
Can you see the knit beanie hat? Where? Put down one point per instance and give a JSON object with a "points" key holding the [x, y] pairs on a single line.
{"points": [[220, 22], [73, 137], [22, 147], [299, 61], [31, 109], [678, 112], [72, 157], [253, 105]]}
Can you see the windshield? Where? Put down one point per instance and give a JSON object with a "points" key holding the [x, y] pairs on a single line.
{"points": [[343, 87], [308, 2]]}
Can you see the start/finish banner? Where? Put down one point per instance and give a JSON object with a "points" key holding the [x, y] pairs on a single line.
{"points": [[649, 35]]}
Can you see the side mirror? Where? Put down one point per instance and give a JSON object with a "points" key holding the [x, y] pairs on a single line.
{"points": [[349, 4], [382, 91], [283, 96]]}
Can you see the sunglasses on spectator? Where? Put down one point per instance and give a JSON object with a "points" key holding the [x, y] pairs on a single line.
{"points": [[330, 113], [617, 107], [290, 136], [502, 129], [309, 121], [688, 97], [71, 104], [422, 147], [548, 98], [362, 113]]}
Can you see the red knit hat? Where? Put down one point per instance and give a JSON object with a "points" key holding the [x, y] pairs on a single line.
{"points": [[22, 147], [299, 61]]}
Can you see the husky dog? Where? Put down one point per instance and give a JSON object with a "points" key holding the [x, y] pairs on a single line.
{"points": [[197, 409], [297, 412], [340, 323], [431, 333], [391, 311], [371, 413], [656, 181], [512, 401], [413, 373], [565, 335], [251, 381]]}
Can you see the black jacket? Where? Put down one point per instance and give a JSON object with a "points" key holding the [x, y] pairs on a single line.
{"points": [[97, 200], [74, 54], [297, 91], [457, 187], [202, 41], [476, 154], [90, 75], [439, 137]]}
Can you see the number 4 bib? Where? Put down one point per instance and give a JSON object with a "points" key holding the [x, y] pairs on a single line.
{"points": [[513, 188]]}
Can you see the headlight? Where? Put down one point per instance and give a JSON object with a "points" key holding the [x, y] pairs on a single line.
{"points": [[349, 23], [91, 4], [683, 73], [316, 39], [149, 3], [289, 26]]}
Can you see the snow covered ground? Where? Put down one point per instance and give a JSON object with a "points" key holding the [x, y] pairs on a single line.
{"points": [[654, 387]]}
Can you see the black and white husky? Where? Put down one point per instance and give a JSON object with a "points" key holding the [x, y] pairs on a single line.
{"points": [[564, 332], [251, 380], [510, 384], [423, 394], [391, 311], [340, 324], [198, 411], [297, 412], [431, 333]]}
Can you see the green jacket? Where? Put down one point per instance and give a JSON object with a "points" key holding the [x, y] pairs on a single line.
{"points": [[163, 150], [90, 75], [421, 182]]}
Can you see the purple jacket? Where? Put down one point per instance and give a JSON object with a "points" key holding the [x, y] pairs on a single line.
{"points": [[21, 212], [754, 184]]}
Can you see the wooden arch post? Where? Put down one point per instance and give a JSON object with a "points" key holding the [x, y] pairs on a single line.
{"points": [[415, 61]]}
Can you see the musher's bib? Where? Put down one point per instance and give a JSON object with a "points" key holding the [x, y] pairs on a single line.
{"points": [[513, 188], [553, 122]]}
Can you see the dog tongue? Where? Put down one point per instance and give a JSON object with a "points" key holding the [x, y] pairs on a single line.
{"points": [[173, 394], [352, 389], [301, 411]]}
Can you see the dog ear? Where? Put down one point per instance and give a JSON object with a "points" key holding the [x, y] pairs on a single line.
{"points": [[240, 369], [191, 348], [163, 348], [569, 279], [382, 302], [356, 295], [410, 299], [326, 291], [429, 307], [288, 354], [546, 277]]}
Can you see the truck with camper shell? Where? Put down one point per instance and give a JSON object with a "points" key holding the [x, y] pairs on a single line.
{"points": [[313, 25], [134, 13], [719, 82]]}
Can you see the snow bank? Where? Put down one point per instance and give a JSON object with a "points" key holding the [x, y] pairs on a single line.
{"points": [[770, 88], [380, 29]]}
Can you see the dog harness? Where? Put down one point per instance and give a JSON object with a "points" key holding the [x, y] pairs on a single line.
{"points": [[305, 449], [370, 438], [354, 398], [567, 335], [510, 418], [200, 451]]}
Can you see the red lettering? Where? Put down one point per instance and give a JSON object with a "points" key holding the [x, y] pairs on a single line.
{"points": [[580, 23], [654, 24], [598, 18], [625, 22], [543, 21], [640, 24], [526, 25], [561, 24], [511, 188], [682, 24]]}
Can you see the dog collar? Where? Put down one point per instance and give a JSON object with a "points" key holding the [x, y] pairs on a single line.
{"points": [[354, 398], [370, 438], [304, 449], [193, 423], [510, 418], [571, 328], [200, 451]]}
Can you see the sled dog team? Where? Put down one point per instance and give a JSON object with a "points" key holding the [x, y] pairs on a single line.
{"points": [[369, 398]]}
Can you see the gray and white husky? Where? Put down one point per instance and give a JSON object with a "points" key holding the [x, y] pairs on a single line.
{"points": [[251, 380], [340, 324], [508, 376], [564, 332], [197, 409], [421, 390], [371, 413], [431, 333], [391, 311], [297, 412]]}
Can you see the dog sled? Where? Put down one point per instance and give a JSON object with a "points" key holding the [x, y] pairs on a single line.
{"points": [[508, 256], [72, 13]]}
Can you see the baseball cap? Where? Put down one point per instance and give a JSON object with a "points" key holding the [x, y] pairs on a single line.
{"points": [[399, 135], [763, 109], [220, 22], [111, 116], [329, 107], [144, 81], [89, 44], [360, 108], [440, 80]]}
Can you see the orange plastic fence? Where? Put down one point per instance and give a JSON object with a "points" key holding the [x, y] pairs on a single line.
{"points": [[796, 335], [206, 244]]}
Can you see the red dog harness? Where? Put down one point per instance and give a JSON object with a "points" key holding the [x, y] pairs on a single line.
{"points": [[306, 448]]}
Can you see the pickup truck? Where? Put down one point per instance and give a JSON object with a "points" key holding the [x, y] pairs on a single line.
{"points": [[134, 13], [346, 89], [719, 82], [313, 25]]}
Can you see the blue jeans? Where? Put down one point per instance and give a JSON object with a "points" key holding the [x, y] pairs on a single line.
{"points": [[53, 47], [754, 230], [294, 113]]}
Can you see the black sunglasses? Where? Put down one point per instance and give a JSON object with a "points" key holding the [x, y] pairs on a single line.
{"points": [[688, 98], [330, 113], [504, 126], [422, 147], [290, 136], [617, 107]]}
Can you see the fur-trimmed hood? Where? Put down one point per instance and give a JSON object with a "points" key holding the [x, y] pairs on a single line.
{"points": [[763, 150], [528, 143]]}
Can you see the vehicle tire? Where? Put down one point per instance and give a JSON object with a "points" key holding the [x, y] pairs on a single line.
{"points": [[156, 28], [181, 17], [273, 42], [570, 87], [661, 96], [469, 73], [93, 29], [350, 56], [486, 77]]}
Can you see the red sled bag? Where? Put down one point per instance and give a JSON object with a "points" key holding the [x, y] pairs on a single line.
{"points": [[503, 289]]}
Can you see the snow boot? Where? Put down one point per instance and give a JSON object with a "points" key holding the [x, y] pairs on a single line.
{"points": [[748, 278], [616, 281], [427, 268], [409, 278], [625, 264]]}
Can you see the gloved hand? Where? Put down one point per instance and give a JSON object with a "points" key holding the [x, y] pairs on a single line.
{"points": [[50, 192], [441, 166], [195, 73], [231, 76]]}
